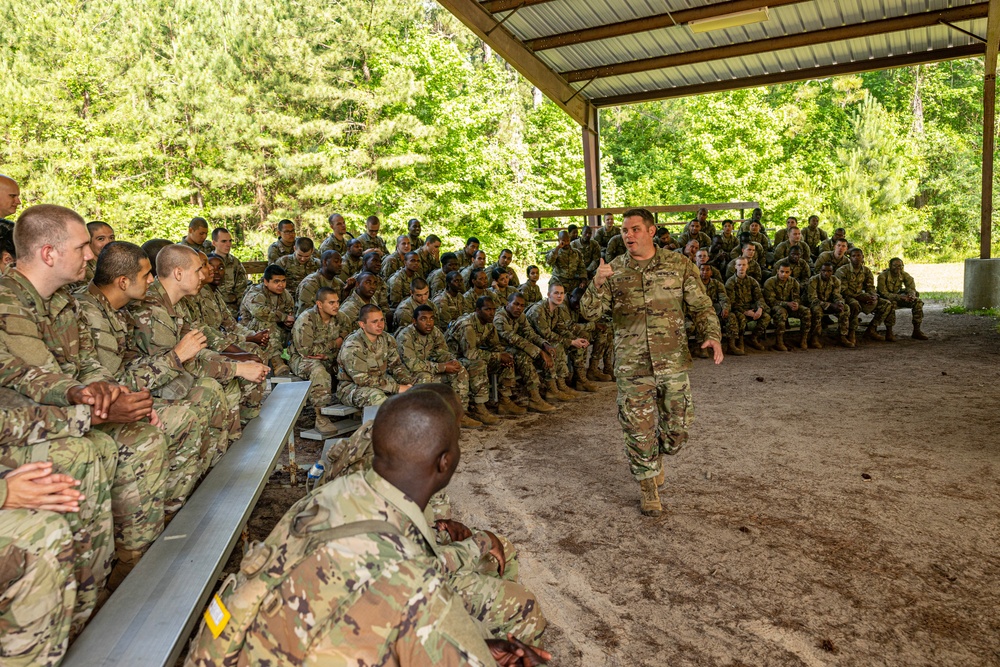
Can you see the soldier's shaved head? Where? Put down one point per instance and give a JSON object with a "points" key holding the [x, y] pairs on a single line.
{"points": [[42, 225], [117, 259], [175, 257]]}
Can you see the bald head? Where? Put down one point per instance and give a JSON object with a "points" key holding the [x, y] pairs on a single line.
{"points": [[10, 196]]}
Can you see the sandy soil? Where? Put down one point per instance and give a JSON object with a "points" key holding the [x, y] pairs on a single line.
{"points": [[834, 507]]}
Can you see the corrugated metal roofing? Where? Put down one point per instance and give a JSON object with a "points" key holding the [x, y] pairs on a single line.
{"points": [[557, 17]]}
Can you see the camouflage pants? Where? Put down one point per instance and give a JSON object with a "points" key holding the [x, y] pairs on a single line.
{"points": [[37, 587], [880, 309], [138, 483], [525, 368], [209, 400], [479, 378], [321, 390], [185, 430], [727, 325], [275, 343], [917, 308], [560, 368], [780, 315], [251, 396], [655, 417], [88, 460], [458, 381], [602, 342], [349, 393], [741, 320], [843, 319]]}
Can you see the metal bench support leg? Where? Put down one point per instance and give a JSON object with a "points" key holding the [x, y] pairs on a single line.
{"points": [[293, 467]]}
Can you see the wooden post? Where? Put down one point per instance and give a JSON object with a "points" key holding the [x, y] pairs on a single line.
{"points": [[592, 163], [989, 134]]}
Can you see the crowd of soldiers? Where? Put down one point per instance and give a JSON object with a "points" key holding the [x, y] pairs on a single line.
{"points": [[126, 372]]}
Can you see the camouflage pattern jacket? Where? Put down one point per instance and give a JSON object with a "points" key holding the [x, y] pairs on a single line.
{"points": [[310, 336], [277, 250], [744, 294], [374, 364], [305, 297], [470, 339], [263, 309], [296, 271], [556, 326], [855, 283], [423, 354], [567, 266], [518, 333], [824, 292], [234, 281], [891, 287], [368, 242], [777, 293], [450, 308], [331, 243]]}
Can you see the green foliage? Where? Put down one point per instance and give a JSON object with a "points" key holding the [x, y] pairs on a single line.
{"points": [[981, 312]]}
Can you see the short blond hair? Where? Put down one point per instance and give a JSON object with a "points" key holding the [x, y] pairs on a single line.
{"points": [[41, 225]]}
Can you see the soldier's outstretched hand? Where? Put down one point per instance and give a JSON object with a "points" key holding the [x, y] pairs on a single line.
{"points": [[716, 350], [604, 271]]}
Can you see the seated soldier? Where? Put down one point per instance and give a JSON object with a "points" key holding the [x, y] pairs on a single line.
{"points": [[897, 286], [728, 240], [598, 333], [828, 245], [413, 233], [478, 262], [616, 247], [285, 243], [430, 256], [354, 260], [702, 258], [720, 302], [406, 611], [857, 286], [529, 289], [783, 296], [339, 236], [837, 257], [370, 240], [215, 312], [781, 235], [419, 296], [328, 275], [825, 299], [395, 261], [362, 295], [664, 240], [503, 262], [707, 226], [426, 354], [101, 234], [474, 340], [813, 235], [589, 250], [468, 253], [753, 268], [552, 320], [794, 241], [528, 349], [479, 284], [267, 305], [566, 262], [755, 216], [438, 278], [399, 283], [234, 277], [501, 287], [747, 302], [801, 271], [744, 237], [694, 233], [760, 238], [299, 264], [8, 253], [317, 336], [451, 303], [372, 263], [197, 236], [369, 367], [690, 249], [605, 233]]}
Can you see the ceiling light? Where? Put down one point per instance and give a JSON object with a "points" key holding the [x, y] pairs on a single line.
{"points": [[733, 20]]}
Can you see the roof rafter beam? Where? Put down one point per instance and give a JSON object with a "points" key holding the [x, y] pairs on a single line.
{"points": [[553, 85], [494, 6], [649, 23], [923, 20], [823, 72]]}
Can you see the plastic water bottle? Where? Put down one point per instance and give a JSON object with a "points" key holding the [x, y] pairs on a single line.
{"points": [[314, 475]]}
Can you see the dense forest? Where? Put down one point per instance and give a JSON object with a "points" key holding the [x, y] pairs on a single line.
{"points": [[145, 113]]}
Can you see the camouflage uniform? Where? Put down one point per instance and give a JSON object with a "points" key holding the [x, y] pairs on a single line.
{"points": [[185, 424], [855, 283], [716, 291], [703, 239], [603, 236], [567, 266], [310, 336], [368, 242], [744, 294], [277, 250], [215, 315], [368, 371], [305, 298], [778, 294], [234, 282], [399, 287], [526, 346], [424, 356], [450, 308], [827, 256], [891, 288], [729, 243], [47, 335], [738, 250], [263, 309], [391, 264], [415, 242], [377, 598], [651, 353], [781, 250], [559, 328], [381, 296], [802, 272], [464, 259], [478, 348], [616, 248], [437, 280], [531, 293], [205, 246], [466, 274], [37, 586], [473, 295], [296, 271], [590, 252], [350, 266], [501, 296], [404, 314], [823, 295], [814, 237], [350, 309], [514, 280], [753, 270], [428, 262], [49, 433], [331, 243]]}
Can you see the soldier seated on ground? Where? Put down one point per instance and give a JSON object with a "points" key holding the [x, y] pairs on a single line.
{"points": [[285, 243], [857, 286], [426, 354], [783, 296], [529, 289], [369, 367], [299, 264], [825, 299], [747, 302], [316, 339], [269, 306], [897, 286], [405, 611], [691, 249]]}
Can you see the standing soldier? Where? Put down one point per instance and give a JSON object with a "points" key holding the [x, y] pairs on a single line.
{"points": [[897, 286], [825, 299], [298, 265], [369, 367], [528, 349], [566, 262], [747, 302], [857, 286], [647, 293], [285, 244], [316, 339], [234, 278], [268, 306], [339, 236], [783, 296]]}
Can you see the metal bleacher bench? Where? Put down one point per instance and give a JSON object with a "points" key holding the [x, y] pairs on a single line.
{"points": [[151, 615]]}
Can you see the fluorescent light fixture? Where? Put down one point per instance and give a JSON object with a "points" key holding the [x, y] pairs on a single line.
{"points": [[733, 20]]}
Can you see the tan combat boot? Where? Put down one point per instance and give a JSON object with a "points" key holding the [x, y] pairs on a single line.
{"points": [[918, 334], [324, 425], [594, 374], [279, 367], [609, 362], [803, 339], [660, 476], [536, 404], [814, 341], [580, 381], [889, 338], [126, 561], [650, 505], [552, 392], [734, 349], [505, 406], [872, 333], [779, 341], [845, 341], [480, 413], [759, 340], [469, 422], [566, 389]]}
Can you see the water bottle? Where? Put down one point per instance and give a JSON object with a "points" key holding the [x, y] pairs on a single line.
{"points": [[314, 475]]}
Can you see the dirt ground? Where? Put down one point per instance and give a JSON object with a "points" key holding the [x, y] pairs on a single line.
{"points": [[833, 507]]}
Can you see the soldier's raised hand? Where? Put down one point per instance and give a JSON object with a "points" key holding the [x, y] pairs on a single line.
{"points": [[604, 271]]}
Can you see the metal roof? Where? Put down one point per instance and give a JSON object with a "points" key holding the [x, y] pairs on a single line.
{"points": [[619, 51]]}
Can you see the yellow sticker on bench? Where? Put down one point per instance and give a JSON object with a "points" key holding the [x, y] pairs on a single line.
{"points": [[217, 616]]}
